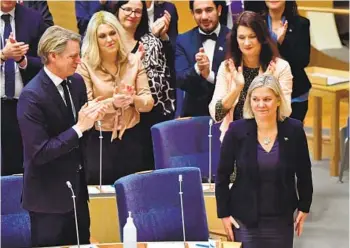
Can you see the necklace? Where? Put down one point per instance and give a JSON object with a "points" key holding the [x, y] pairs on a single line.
{"points": [[266, 140]]}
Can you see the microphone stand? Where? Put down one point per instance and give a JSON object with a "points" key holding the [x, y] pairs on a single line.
{"points": [[182, 210], [210, 150], [69, 185], [99, 124]]}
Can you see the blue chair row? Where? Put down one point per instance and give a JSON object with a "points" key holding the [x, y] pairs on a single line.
{"points": [[15, 221], [185, 143], [153, 198]]}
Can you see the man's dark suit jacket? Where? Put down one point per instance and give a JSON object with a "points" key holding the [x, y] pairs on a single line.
{"points": [[159, 12], [43, 8], [198, 91], [30, 27], [240, 145], [296, 50], [52, 150]]}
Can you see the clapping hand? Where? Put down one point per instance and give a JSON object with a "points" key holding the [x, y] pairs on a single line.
{"points": [[271, 68], [123, 96], [164, 30], [281, 32], [14, 49], [237, 75], [140, 51], [90, 113], [203, 63]]}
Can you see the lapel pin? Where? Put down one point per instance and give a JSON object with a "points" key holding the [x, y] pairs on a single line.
{"points": [[286, 138], [221, 49], [290, 30]]}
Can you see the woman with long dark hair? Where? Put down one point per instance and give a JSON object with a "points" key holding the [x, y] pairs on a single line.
{"points": [[251, 52]]}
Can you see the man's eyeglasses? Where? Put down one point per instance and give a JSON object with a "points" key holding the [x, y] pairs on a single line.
{"points": [[128, 11]]}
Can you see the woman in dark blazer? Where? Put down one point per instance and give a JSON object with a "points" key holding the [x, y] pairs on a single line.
{"points": [[292, 34], [265, 152]]}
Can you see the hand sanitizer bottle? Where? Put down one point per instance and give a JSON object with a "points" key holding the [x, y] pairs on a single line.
{"points": [[130, 233]]}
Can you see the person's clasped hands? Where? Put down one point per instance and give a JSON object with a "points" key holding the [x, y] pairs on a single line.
{"points": [[161, 26], [203, 63], [13, 49], [90, 113], [123, 96]]}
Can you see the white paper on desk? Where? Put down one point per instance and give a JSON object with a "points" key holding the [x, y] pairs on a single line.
{"points": [[331, 80], [93, 190], [107, 189], [165, 244]]}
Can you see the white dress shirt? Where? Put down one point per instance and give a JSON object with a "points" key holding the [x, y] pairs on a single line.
{"points": [[150, 12], [57, 82]]}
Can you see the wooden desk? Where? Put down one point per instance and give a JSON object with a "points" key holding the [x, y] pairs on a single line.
{"points": [[105, 222], [335, 93]]}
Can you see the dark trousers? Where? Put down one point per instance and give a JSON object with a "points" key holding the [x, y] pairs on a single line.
{"points": [[271, 232], [51, 229], [299, 110], [11, 140], [119, 157]]}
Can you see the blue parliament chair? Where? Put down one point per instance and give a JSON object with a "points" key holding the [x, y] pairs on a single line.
{"points": [[154, 201], [15, 221], [185, 143]]}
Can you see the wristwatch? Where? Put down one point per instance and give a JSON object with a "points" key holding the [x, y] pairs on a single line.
{"points": [[20, 61]]}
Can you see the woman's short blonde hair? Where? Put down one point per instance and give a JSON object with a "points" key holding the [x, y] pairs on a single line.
{"points": [[270, 82], [90, 49], [54, 40]]}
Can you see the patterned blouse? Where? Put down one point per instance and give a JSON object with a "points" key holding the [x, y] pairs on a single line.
{"points": [[158, 69], [249, 74]]}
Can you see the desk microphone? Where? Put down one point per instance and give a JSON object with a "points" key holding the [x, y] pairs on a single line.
{"points": [[99, 124], [210, 150], [182, 210], [69, 185]]}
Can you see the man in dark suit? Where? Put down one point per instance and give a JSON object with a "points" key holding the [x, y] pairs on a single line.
{"points": [[42, 7], [199, 53], [52, 115], [20, 34]]}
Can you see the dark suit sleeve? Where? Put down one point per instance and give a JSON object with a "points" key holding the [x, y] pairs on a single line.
{"points": [[33, 60], [173, 27], [40, 148], [225, 169], [296, 46], [303, 171], [186, 76], [43, 8]]}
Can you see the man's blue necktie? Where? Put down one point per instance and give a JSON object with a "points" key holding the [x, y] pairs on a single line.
{"points": [[9, 63]]}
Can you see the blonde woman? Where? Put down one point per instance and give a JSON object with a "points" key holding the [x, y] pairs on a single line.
{"points": [[120, 79], [267, 151]]}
